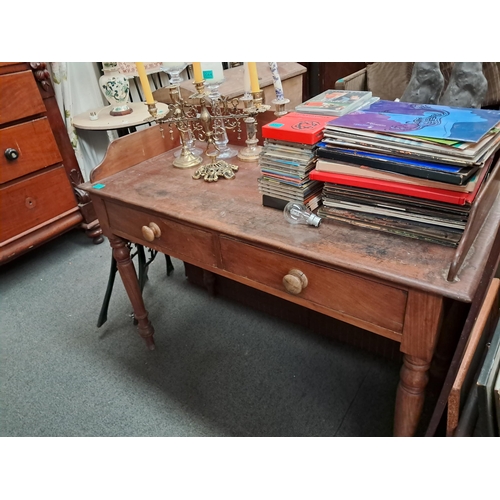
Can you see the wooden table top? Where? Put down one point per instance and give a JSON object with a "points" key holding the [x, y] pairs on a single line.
{"points": [[234, 208]]}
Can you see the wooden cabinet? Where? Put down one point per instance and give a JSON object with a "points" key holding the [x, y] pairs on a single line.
{"points": [[322, 76], [38, 169]]}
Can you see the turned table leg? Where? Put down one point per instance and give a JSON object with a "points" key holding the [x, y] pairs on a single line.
{"points": [[121, 253], [410, 396], [420, 334]]}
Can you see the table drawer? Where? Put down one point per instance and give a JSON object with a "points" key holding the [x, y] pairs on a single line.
{"points": [[35, 145], [33, 201], [343, 293], [177, 240], [19, 97]]}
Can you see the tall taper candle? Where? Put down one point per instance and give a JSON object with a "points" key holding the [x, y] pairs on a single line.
{"points": [[144, 82], [198, 75], [278, 88], [254, 77], [246, 78]]}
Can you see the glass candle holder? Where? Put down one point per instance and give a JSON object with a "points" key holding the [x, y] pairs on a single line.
{"points": [[174, 70], [213, 75]]}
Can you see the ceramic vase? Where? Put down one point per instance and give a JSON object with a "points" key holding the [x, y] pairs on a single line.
{"points": [[116, 89]]}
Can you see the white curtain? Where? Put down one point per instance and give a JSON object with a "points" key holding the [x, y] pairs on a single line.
{"points": [[76, 87]]}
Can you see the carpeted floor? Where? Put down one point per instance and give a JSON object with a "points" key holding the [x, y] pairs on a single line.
{"points": [[220, 368]]}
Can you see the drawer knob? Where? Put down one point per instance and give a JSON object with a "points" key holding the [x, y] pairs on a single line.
{"points": [[151, 232], [11, 154], [295, 281]]}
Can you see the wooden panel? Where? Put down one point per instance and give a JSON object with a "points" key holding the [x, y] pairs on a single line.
{"points": [[322, 76], [350, 295], [19, 97], [480, 210], [333, 71], [35, 143], [486, 320], [39, 235], [30, 202], [178, 240], [140, 146], [12, 67]]}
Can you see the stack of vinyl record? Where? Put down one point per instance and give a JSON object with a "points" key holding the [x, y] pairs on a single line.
{"points": [[336, 102], [288, 156], [409, 169]]}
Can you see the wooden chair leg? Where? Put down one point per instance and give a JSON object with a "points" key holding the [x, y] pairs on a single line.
{"points": [[103, 315], [142, 266], [170, 266]]}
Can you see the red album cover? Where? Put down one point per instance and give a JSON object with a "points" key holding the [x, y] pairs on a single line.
{"points": [[297, 127], [428, 193]]}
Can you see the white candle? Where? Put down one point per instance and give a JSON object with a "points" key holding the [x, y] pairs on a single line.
{"points": [[212, 72], [246, 79], [277, 81]]}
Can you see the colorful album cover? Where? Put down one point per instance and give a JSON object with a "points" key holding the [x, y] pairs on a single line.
{"points": [[427, 120]]}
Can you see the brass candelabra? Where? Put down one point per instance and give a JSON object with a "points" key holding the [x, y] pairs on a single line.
{"points": [[207, 119]]}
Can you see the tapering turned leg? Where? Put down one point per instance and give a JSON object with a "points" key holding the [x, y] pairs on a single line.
{"points": [[424, 313], [410, 396], [121, 253]]}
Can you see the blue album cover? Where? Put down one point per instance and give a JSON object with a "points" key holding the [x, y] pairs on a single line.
{"points": [[407, 161]]}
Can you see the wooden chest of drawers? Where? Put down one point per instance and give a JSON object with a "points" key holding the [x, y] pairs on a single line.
{"points": [[38, 170]]}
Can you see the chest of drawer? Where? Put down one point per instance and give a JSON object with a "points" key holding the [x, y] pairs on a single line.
{"points": [[178, 240], [341, 293], [31, 145], [19, 97], [33, 201]]}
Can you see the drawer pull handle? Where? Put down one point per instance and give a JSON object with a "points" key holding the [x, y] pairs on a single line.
{"points": [[151, 232], [11, 154], [295, 281]]}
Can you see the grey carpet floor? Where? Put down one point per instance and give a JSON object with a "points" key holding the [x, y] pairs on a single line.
{"points": [[220, 367]]}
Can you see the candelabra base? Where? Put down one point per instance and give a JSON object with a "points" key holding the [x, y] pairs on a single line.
{"points": [[187, 159], [251, 152], [193, 150], [227, 152], [215, 170]]}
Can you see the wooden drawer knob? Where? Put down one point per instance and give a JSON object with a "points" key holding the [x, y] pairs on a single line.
{"points": [[295, 281], [151, 232]]}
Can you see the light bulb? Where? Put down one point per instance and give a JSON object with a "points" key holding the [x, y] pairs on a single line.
{"points": [[297, 213]]}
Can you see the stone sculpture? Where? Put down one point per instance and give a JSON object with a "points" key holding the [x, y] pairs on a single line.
{"points": [[426, 84], [467, 87]]}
